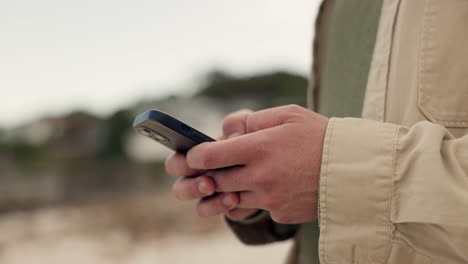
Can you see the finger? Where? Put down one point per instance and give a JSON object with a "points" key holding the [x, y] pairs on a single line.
{"points": [[235, 124], [176, 165], [218, 204], [226, 153], [272, 117], [238, 214], [232, 179], [187, 188]]}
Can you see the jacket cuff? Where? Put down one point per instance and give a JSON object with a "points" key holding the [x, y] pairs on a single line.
{"points": [[355, 187], [261, 229]]}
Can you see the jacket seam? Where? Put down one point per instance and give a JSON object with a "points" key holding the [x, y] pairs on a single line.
{"points": [[327, 159], [389, 61], [393, 171]]}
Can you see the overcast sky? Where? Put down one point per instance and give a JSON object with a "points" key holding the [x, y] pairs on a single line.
{"points": [[59, 55]]}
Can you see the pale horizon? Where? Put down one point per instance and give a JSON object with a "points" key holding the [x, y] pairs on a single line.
{"points": [[57, 56]]}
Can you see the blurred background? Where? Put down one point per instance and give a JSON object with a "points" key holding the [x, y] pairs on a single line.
{"points": [[77, 184]]}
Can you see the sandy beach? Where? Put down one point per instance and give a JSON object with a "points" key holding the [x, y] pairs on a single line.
{"points": [[97, 234]]}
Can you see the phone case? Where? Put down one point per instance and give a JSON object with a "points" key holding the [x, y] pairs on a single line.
{"points": [[169, 131]]}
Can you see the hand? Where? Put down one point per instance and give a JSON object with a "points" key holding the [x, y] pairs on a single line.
{"points": [[189, 187], [277, 164]]}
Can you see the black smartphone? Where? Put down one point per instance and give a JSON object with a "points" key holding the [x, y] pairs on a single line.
{"points": [[169, 131]]}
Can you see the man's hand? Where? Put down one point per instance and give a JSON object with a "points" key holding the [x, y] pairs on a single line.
{"points": [[275, 166], [189, 187]]}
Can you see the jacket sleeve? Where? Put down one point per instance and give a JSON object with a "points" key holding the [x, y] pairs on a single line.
{"points": [[389, 194], [261, 229]]}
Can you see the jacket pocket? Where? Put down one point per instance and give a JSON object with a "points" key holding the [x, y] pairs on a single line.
{"points": [[400, 254], [443, 62]]}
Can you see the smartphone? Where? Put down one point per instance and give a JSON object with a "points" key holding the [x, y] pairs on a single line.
{"points": [[169, 131]]}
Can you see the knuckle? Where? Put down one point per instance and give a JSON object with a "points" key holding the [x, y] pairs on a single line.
{"points": [[251, 123], [294, 108], [261, 148], [262, 181], [258, 180], [240, 113], [230, 118], [234, 122], [295, 112], [220, 208], [230, 125]]}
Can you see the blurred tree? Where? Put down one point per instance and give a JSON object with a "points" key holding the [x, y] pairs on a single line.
{"points": [[118, 127], [269, 89], [24, 153], [85, 154], [74, 135]]}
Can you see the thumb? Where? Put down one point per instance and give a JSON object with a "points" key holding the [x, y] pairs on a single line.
{"points": [[273, 117], [235, 124]]}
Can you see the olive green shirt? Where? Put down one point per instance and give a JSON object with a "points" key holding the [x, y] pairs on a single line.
{"points": [[350, 35]]}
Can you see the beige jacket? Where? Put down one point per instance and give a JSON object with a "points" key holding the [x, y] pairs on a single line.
{"points": [[394, 185]]}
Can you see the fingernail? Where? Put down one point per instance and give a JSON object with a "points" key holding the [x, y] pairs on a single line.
{"points": [[234, 135], [228, 202], [203, 188]]}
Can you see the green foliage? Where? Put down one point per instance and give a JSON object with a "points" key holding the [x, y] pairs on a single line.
{"points": [[269, 89], [24, 153], [118, 127]]}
